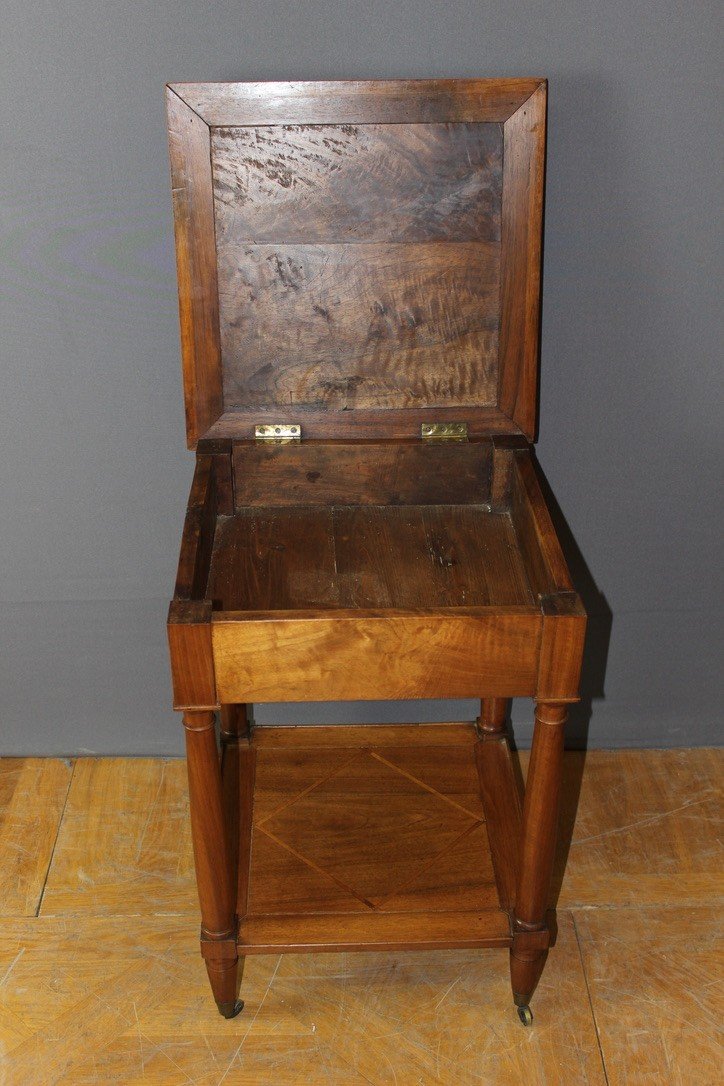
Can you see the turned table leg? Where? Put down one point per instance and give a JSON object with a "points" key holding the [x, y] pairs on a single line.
{"points": [[234, 731], [493, 714], [212, 861], [540, 823]]}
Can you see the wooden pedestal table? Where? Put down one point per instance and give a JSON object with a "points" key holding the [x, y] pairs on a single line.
{"points": [[359, 272]]}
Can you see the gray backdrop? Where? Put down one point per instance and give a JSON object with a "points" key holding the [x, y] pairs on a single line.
{"points": [[93, 469]]}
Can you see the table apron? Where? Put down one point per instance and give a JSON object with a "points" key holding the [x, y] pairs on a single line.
{"points": [[405, 656]]}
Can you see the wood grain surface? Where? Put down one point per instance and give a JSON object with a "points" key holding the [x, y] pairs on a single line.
{"points": [[367, 556], [192, 659], [390, 101], [537, 537], [371, 825], [388, 832], [96, 1002], [344, 655], [351, 183], [322, 423], [374, 931], [369, 325], [503, 806], [655, 979], [645, 826], [366, 473], [33, 793], [282, 558], [125, 840], [196, 263], [524, 157]]}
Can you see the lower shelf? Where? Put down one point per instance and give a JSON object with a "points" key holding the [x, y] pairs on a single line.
{"points": [[367, 838], [375, 931]]}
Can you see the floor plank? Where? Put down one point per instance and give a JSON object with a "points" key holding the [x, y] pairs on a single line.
{"points": [[124, 845], [32, 794], [654, 977], [648, 827]]}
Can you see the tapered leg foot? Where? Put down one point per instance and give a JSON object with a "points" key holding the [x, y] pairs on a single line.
{"points": [[212, 859], [531, 934], [230, 1010], [527, 958], [224, 980]]}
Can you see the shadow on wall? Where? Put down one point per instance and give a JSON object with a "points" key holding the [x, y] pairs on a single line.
{"points": [[590, 236]]}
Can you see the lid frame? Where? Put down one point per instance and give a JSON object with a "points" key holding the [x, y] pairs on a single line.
{"points": [[518, 104]]}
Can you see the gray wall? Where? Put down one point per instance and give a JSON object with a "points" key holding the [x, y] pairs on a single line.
{"points": [[93, 470]]}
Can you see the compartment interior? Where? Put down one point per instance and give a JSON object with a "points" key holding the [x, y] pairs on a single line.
{"points": [[371, 526], [367, 556]]}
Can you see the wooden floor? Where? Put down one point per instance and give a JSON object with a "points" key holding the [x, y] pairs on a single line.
{"points": [[100, 979]]}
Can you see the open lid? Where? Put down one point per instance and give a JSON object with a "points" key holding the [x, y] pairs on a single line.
{"points": [[358, 257]]}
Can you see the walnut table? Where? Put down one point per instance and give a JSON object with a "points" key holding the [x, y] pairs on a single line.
{"points": [[359, 280]]}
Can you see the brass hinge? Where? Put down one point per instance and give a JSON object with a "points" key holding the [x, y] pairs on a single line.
{"points": [[281, 432], [444, 431]]}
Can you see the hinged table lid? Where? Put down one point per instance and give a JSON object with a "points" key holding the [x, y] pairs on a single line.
{"points": [[360, 258]]}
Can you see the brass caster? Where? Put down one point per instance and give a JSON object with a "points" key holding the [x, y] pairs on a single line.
{"points": [[231, 1009], [525, 1015]]}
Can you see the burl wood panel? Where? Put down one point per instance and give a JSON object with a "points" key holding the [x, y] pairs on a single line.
{"points": [[359, 325], [322, 183], [310, 168], [366, 556]]}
